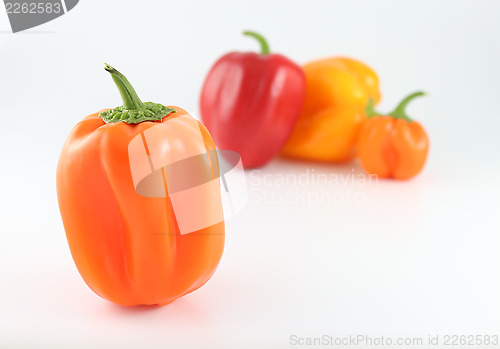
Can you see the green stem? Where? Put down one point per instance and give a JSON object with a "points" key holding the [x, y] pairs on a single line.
{"points": [[400, 111], [133, 111], [130, 98], [264, 47], [370, 111]]}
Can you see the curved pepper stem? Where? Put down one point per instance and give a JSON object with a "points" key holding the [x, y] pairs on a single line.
{"points": [[264, 47], [129, 96], [370, 111], [133, 110], [400, 111]]}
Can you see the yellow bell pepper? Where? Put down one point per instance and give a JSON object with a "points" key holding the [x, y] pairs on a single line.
{"points": [[338, 89]]}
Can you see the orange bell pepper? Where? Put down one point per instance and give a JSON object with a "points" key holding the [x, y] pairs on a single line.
{"points": [[393, 145], [121, 221], [337, 91]]}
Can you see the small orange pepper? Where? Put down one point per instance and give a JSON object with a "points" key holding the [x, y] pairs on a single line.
{"points": [[393, 145], [337, 91]]}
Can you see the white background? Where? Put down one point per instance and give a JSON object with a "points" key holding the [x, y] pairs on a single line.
{"points": [[407, 259]]}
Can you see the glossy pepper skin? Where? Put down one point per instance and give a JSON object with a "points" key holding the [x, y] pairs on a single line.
{"points": [[250, 103], [393, 145], [128, 247], [338, 89]]}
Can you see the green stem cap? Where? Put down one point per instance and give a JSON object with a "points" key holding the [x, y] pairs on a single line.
{"points": [[264, 47], [133, 110]]}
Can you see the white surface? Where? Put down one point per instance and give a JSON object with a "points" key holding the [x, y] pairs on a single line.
{"points": [[407, 259]]}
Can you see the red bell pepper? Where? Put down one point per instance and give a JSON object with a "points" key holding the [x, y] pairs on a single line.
{"points": [[250, 102]]}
